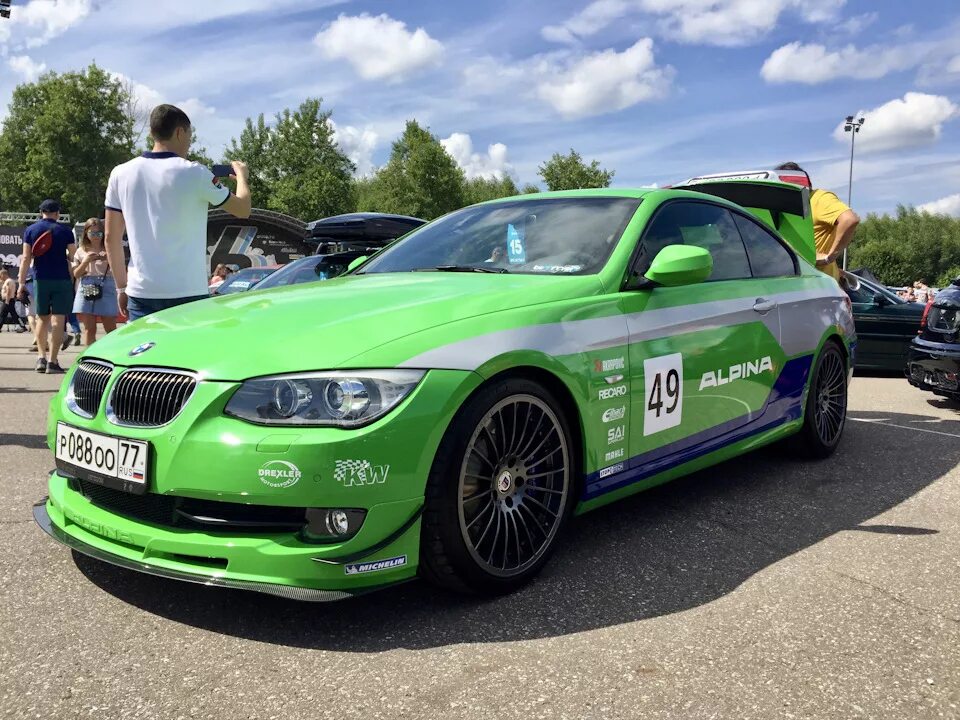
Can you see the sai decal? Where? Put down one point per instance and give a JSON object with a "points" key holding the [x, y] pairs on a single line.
{"points": [[715, 378], [613, 455], [612, 470], [608, 365], [279, 474], [359, 472], [386, 564], [614, 414], [616, 434], [612, 392]]}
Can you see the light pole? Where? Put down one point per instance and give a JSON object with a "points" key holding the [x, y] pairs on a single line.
{"points": [[853, 127]]}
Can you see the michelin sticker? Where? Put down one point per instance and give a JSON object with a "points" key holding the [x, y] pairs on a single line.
{"points": [[359, 472], [375, 566], [279, 474]]}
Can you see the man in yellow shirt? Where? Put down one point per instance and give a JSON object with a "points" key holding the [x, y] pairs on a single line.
{"points": [[833, 225]]}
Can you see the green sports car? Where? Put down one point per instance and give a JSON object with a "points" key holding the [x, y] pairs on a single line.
{"points": [[445, 408]]}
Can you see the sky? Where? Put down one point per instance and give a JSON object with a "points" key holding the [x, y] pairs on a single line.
{"points": [[656, 90]]}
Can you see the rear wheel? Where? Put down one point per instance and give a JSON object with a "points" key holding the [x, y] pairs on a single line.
{"points": [[500, 491], [826, 411]]}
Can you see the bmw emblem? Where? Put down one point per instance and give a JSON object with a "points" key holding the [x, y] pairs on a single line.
{"points": [[141, 348]]}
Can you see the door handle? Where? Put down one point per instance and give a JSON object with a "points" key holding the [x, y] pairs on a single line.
{"points": [[762, 305]]}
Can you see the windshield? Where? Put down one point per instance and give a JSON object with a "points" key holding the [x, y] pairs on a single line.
{"points": [[304, 270], [241, 281], [543, 236]]}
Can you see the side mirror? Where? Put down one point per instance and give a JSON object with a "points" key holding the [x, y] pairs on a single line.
{"points": [[357, 263], [680, 265]]}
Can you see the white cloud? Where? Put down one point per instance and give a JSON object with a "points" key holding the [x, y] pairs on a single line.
{"points": [[710, 22], [195, 108], [25, 66], [357, 144], [812, 64], [914, 119], [604, 81], [144, 96], [39, 21], [378, 47], [858, 23], [954, 65], [492, 165], [949, 205]]}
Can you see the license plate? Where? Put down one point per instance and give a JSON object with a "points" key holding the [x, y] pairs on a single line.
{"points": [[119, 463]]}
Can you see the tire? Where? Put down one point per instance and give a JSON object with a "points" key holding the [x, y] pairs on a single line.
{"points": [[500, 492], [826, 410]]}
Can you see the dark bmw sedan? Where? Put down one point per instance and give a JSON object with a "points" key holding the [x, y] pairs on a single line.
{"points": [[934, 360], [885, 324]]}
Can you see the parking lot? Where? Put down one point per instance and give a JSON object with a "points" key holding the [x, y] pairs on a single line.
{"points": [[765, 587]]}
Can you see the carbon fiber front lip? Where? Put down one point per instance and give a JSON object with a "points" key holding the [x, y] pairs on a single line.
{"points": [[42, 519]]}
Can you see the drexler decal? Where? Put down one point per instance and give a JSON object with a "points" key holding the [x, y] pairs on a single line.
{"points": [[375, 566], [279, 474]]}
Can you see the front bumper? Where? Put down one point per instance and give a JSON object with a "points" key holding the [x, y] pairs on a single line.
{"points": [[934, 366], [42, 517], [277, 564]]}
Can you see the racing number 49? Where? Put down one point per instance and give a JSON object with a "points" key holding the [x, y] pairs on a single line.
{"points": [[663, 392]]}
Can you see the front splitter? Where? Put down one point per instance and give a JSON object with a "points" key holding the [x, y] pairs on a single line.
{"points": [[42, 519]]}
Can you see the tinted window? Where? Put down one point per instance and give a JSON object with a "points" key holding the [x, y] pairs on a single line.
{"points": [[768, 258], [546, 236], [703, 225], [861, 294]]}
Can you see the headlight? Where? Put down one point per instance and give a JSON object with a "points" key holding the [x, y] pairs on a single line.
{"points": [[342, 399]]}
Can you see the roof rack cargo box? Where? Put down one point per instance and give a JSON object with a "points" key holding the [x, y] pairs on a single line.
{"points": [[779, 198]]}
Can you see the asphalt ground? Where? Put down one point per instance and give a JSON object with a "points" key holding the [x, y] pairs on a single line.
{"points": [[766, 587]]}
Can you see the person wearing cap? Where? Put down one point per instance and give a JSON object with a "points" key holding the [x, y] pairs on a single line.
{"points": [[161, 200], [834, 225], [48, 248]]}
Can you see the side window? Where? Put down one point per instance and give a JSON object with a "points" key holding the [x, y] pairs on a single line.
{"points": [[768, 257], [703, 225], [863, 294]]}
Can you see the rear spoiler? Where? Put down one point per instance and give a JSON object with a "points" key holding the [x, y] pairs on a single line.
{"points": [[785, 207]]}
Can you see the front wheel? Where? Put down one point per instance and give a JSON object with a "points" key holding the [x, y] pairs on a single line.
{"points": [[500, 490], [826, 410]]}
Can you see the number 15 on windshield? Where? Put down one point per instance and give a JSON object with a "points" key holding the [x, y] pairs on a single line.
{"points": [[663, 392]]}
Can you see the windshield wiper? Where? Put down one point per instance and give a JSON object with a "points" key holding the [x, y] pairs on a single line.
{"points": [[469, 268]]}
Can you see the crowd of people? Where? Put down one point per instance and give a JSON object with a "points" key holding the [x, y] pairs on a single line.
{"points": [[920, 292], [160, 201]]}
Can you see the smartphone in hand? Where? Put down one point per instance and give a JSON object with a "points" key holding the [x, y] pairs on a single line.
{"points": [[222, 171]]}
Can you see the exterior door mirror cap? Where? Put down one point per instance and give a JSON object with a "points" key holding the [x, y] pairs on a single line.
{"points": [[677, 265]]}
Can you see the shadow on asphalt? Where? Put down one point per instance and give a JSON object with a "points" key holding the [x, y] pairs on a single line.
{"points": [[672, 548], [34, 442]]}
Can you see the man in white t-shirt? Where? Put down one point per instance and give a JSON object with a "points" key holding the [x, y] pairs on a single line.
{"points": [[161, 200]]}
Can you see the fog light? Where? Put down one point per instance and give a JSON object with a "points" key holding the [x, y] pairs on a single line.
{"points": [[332, 524], [337, 522]]}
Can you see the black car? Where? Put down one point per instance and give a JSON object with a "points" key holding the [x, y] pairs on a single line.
{"points": [[886, 323], [364, 231], [934, 360], [311, 269], [243, 280]]}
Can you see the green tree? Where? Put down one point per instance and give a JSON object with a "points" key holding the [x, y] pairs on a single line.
{"points": [[570, 172], [198, 153], [529, 188], [253, 148], [482, 189], [61, 138], [308, 174], [420, 179]]}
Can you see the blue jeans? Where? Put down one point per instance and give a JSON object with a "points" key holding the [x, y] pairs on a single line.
{"points": [[140, 307]]}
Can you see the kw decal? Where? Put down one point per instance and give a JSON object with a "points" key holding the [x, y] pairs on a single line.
{"points": [[359, 472]]}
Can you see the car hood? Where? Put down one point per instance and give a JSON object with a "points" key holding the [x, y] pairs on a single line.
{"points": [[321, 326]]}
